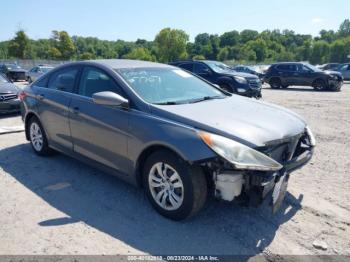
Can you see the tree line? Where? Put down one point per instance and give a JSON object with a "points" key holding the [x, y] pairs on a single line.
{"points": [[247, 46]]}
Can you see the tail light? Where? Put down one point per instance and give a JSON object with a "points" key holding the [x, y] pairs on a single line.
{"points": [[22, 95]]}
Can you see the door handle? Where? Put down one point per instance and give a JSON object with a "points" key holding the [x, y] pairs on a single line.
{"points": [[76, 110], [40, 97]]}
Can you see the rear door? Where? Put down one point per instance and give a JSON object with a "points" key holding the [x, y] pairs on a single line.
{"points": [[306, 75], [99, 132], [53, 105], [288, 73]]}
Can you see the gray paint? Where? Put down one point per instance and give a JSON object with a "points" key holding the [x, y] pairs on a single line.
{"points": [[115, 137]]}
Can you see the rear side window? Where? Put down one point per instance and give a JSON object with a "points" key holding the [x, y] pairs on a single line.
{"points": [[64, 79], [94, 80]]}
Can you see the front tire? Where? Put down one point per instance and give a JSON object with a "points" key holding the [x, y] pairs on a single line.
{"points": [[319, 85], [275, 83], [38, 138], [175, 189]]}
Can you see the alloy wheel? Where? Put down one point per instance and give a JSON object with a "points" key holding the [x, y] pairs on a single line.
{"points": [[166, 186], [36, 136]]}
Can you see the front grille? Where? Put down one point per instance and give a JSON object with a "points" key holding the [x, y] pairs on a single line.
{"points": [[7, 96], [256, 84], [283, 150]]}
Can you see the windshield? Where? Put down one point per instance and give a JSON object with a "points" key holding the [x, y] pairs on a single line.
{"points": [[168, 85], [45, 69], [218, 67], [313, 68]]}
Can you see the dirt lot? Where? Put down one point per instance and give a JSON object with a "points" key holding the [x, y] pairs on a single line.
{"points": [[57, 205]]}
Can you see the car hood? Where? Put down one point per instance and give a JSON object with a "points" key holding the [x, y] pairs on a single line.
{"points": [[245, 120], [329, 72], [18, 70], [235, 73], [8, 88]]}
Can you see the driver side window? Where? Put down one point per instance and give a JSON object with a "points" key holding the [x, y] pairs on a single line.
{"points": [[94, 80]]}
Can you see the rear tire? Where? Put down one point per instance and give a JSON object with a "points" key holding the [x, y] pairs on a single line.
{"points": [[275, 83], [319, 85], [37, 137], [175, 189]]}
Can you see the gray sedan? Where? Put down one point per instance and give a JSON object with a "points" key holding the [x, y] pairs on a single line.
{"points": [[168, 131], [37, 71]]}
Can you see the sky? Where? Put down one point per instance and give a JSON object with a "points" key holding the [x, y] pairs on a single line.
{"points": [[133, 19]]}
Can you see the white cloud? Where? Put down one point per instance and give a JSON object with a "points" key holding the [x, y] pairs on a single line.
{"points": [[317, 20]]}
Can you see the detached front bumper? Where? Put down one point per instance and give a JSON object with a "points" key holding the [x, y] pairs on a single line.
{"points": [[255, 187]]}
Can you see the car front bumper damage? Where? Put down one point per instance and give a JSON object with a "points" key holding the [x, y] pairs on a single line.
{"points": [[254, 187]]}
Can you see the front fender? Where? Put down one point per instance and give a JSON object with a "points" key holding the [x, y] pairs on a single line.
{"points": [[149, 130]]}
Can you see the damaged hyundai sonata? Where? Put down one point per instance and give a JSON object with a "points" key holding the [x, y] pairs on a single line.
{"points": [[156, 126]]}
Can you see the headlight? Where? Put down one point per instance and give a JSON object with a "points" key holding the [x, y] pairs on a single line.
{"points": [[241, 156], [240, 79], [311, 136]]}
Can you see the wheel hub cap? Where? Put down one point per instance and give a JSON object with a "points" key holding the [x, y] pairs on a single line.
{"points": [[36, 136], [166, 186]]}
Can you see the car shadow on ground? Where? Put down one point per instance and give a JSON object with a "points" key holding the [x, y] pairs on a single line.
{"points": [[109, 205]]}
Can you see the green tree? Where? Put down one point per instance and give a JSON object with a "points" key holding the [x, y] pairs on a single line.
{"points": [[229, 38], [320, 52], [19, 46], [344, 29], [223, 54], [140, 53], [248, 35], [171, 44], [339, 50]]}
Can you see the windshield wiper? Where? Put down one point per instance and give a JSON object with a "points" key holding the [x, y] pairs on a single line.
{"points": [[205, 98], [168, 103]]}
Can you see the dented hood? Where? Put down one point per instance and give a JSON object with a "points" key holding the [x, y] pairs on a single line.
{"points": [[246, 120]]}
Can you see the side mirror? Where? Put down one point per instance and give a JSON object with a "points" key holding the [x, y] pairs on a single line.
{"points": [[109, 98]]}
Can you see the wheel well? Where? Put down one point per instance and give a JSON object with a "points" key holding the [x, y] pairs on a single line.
{"points": [[143, 157], [28, 117], [274, 78], [318, 79]]}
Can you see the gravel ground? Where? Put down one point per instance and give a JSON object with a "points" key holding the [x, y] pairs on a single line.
{"points": [[57, 205]]}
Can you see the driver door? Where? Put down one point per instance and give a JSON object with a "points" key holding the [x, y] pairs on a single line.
{"points": [[203, 71], [99, 132]]}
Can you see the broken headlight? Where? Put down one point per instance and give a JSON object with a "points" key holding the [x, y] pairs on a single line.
{"points": [[241, 156]]}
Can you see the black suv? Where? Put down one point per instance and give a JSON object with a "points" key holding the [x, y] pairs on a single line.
{"points": [[222, 75], [302, 74], [13, 72]]}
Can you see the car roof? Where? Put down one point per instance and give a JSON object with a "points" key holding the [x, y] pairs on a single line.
{"points": [[126, 63]]}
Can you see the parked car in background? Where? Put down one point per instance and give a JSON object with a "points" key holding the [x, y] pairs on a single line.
{"points": [[329, 66], [302, 74], [169, 131], [344, 69], [9, 101], [222, 75], [13, 72], [248, 69], [37, 71]]}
